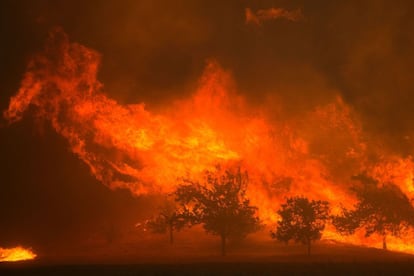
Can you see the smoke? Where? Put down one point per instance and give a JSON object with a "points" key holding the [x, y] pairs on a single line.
{"points": [[364, 49], [271, 14]]}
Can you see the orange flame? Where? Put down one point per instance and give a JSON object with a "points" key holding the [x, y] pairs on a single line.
{"points": [[128, 146], [16, 254], [131, 147]]}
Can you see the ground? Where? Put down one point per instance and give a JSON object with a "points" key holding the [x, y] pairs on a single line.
{"points": [[244, 258]]}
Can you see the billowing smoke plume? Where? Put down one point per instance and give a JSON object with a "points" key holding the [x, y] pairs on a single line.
{"points": [[271, 14]]}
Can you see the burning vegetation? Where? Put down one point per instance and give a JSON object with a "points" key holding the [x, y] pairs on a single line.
{"points": [[16, 254], [228, 165]]}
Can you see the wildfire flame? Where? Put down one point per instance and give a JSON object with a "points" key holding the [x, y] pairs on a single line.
{"points": [[128, 146], [16, 254]]}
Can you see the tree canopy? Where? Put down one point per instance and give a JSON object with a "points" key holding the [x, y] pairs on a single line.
{"points": [[171, 217], [220, 204], [301, 220], [381, 208]]}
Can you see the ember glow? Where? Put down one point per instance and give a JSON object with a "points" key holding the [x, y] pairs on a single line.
{"points": [[312, 153], [16, 254]]}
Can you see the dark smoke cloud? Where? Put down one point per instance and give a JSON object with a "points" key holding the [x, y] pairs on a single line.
{"points": [[366, 50], [271, 14]]}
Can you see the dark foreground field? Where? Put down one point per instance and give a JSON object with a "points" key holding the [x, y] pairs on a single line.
{"points": [[217, 268], [207, 268], [327, 259]]}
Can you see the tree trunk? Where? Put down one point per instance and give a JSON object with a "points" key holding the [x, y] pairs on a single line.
{"points": [[309, 247], [384, 242], [171, 234], [223, 245]]}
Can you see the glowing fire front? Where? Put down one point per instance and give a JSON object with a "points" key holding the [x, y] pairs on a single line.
{"points": [[129, 146], [313, 153], [16, 254]]}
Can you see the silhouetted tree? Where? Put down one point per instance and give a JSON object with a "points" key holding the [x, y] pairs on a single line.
{"points": [[220, 204], [301, 220], [381, 209], [170, 218]]}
